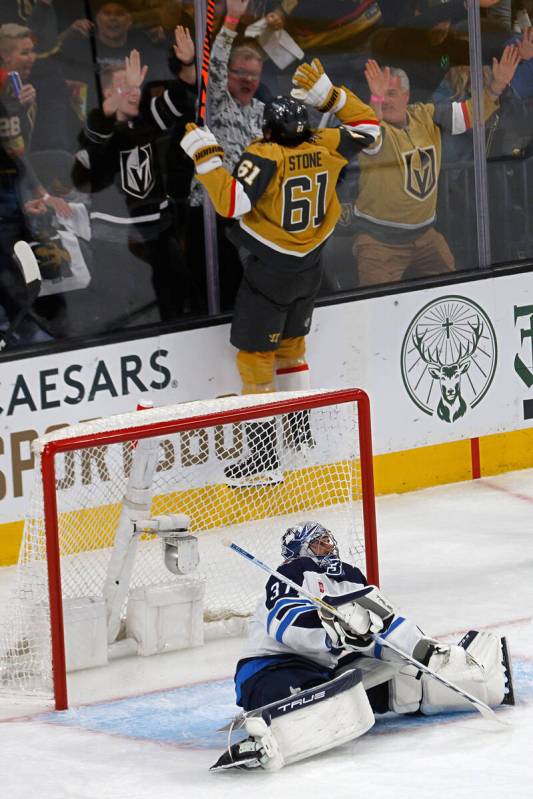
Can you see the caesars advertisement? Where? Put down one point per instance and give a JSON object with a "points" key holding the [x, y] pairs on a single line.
{"points": [[439, 365]]}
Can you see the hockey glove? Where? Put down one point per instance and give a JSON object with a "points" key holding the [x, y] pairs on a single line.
{"points": [[355, 631], [315, 88], [203, 148]]}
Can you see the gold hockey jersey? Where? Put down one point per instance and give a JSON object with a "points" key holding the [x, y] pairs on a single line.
{"points": [[285, 197], [398, 181], [316, 25]]}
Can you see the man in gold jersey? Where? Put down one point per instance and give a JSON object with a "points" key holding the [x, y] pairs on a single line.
{"points": [[283, 194], [395, 209]]}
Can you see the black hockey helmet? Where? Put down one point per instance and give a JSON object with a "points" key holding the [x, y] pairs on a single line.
{"points": [[285, 121]]}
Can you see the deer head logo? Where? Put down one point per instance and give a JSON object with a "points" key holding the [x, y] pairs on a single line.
{"points": [[449, 356], [451, 404]]}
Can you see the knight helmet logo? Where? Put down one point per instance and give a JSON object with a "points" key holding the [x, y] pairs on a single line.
{"points": [[137, 172], [449, 356], [420, 172]]}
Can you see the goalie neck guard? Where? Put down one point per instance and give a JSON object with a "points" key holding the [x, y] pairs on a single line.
{"points": [[311, 540], [285, 121]]}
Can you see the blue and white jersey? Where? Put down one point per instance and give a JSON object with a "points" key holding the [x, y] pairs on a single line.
{"points": [[284, 623]]}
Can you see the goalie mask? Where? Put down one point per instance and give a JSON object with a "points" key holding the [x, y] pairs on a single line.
{"points": [[312, 540]]}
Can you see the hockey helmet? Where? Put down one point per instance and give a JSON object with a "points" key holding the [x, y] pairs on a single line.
{"points": [[297, 542], [285, 121]]}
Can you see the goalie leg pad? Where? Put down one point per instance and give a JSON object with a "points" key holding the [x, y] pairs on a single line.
{"points": [[405, 690], [320, 718], [476, 664], [308, 722]]}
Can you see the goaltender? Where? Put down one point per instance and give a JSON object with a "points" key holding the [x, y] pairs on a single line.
{"points": [[310, 682]]}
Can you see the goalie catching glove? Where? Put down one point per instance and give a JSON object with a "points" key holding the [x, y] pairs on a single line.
{"points": [[362, 618], [201, 145], [315, 88]]}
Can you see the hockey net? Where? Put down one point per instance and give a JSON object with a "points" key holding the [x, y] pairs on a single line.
{"points": [[82, 476]]}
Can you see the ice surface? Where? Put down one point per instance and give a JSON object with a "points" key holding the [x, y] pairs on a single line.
{"points": [[452, 557]]}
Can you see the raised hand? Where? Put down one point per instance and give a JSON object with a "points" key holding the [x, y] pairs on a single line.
{"points": [[504, 69], [275, 20], [201, 145], [82, 26], [184, 47], [312, 85], [378, 79], [135, 73], [236, 8], [525, 45]]}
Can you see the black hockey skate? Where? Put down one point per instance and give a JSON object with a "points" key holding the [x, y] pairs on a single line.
{"points": [[261, 467], [245, 754], [297, 433]]}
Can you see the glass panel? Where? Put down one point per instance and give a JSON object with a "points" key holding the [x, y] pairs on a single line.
{"points": [[510, 144], [90, 173], [405, 216]]}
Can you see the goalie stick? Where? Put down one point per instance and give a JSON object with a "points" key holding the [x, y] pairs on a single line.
{"points": [[29, 268], [486, 711]]}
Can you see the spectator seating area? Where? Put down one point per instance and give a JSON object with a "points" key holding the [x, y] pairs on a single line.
{"points": [[94, 97]]}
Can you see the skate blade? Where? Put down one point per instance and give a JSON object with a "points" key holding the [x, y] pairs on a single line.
{"points": [[509, 698], [256, 480], [242, 764]]}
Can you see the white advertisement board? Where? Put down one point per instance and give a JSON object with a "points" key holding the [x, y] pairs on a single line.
{"points": [[439, 365]]}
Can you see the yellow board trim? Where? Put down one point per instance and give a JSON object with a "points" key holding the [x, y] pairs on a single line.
{"points": [[10, 540], [208, 507], [395, 472]]}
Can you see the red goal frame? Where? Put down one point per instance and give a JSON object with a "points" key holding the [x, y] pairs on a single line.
{"points": [[162, 428]]}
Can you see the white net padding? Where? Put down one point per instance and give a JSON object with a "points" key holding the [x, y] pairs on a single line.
{"points": [[321, 481]]}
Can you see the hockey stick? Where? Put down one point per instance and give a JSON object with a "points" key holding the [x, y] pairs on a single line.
{"points": [[27, 263], [208, 211], [206, 58], [486, 711]]}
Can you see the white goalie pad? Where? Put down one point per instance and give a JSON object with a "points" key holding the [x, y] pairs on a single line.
{"points": [[405, 690], [311, 721], [476, 665]]}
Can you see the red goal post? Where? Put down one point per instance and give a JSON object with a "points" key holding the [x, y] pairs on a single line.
{"points": [[331, 477]]}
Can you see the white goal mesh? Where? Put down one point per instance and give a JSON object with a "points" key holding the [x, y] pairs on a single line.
{"points": [[314, 474]]}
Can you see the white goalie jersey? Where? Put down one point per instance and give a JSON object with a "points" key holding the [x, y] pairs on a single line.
{"points": [[285, 623]]}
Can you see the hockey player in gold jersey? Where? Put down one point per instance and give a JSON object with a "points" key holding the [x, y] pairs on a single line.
{"points": [[283, 194]]}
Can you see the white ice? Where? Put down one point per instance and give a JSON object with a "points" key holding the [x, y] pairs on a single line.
{"points": [[452, 557]]}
